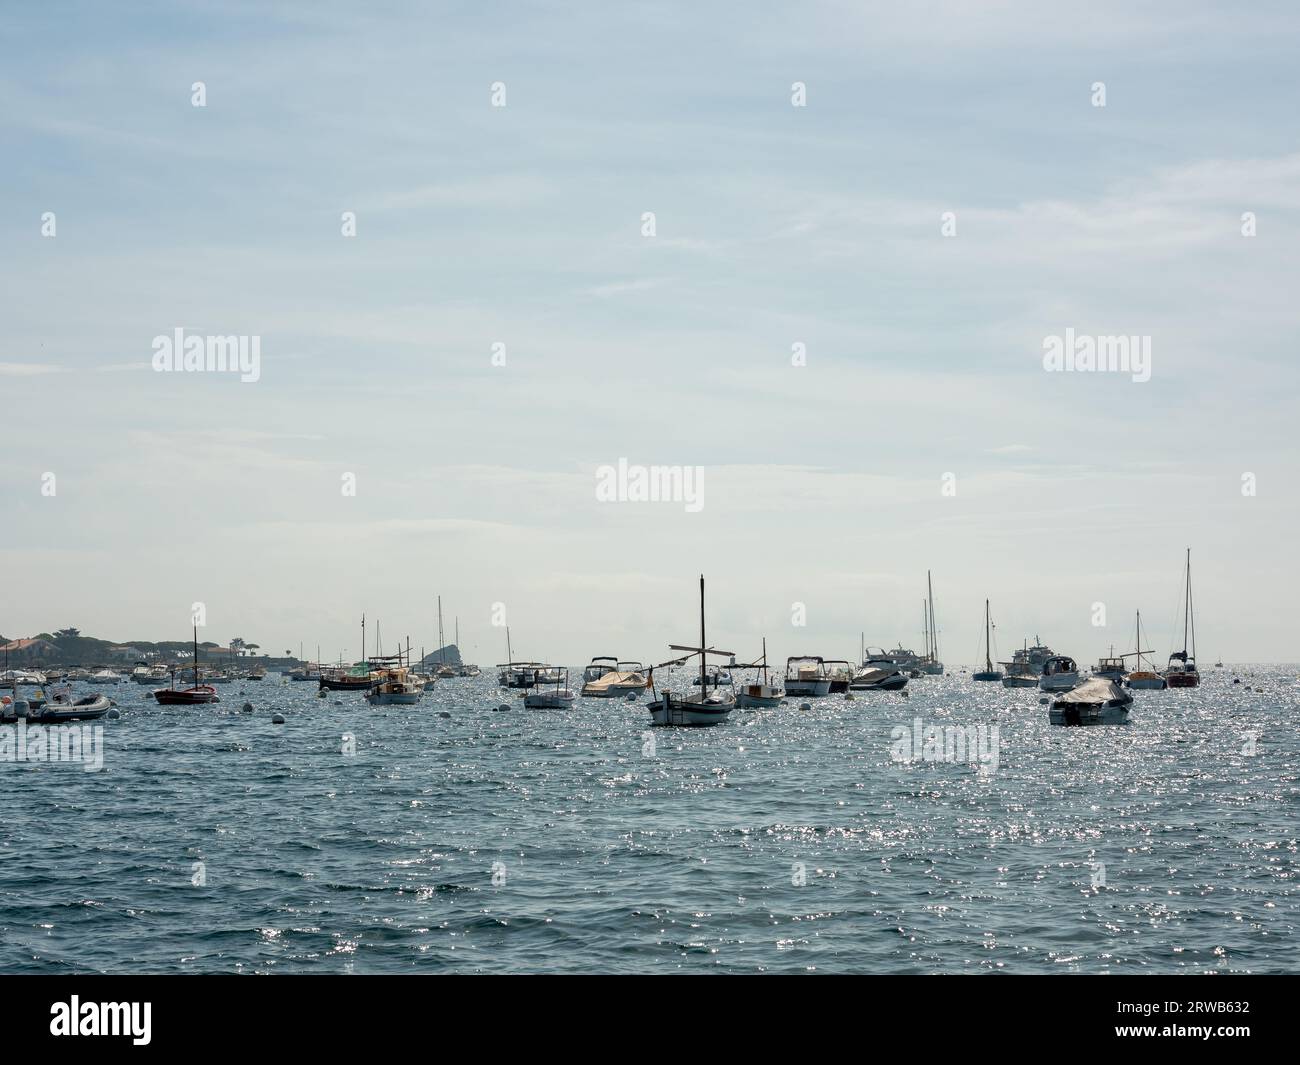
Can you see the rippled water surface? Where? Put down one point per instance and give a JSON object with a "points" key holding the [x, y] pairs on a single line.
{"points": [[784, 841]]}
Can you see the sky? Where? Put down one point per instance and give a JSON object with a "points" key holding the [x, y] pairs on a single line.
{"points": [[502, 325]]}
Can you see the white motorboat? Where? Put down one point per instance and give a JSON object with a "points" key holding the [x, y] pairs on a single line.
{"points": [[62, 707], [544, 696], [603, 681], [105, 676], [878, 679], [23, 678], [806, 675], [597, 668], [1096, 701], [698, 709], [1059, 674]]}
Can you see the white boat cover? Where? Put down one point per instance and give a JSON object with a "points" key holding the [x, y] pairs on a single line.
{"points": [[1094, 692]]}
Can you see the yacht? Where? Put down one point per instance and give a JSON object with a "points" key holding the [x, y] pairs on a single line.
{"points": [[105, 676]]}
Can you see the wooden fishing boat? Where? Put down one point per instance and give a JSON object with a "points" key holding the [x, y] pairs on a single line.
{"points": [[708, 706], [192, 696]]}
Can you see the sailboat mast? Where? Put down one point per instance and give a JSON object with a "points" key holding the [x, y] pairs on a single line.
{"points": [[1190, 615], [934, 627], [988, 659], [363, 637], [703, 645], [442, 654], [1187, 601]]}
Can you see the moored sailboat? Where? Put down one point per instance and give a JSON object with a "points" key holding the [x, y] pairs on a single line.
{"points": [[988, 672], [929, 663], [1140, 676], [1181, 671], [698, 709], [193, 696]]}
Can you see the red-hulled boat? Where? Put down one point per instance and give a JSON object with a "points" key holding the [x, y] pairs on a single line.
{"points": [[193, 696]]}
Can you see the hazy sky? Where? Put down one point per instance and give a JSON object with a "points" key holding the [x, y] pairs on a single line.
{"points": [[775, 225]]}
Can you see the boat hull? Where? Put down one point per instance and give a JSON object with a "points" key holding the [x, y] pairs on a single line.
{"points": [[1183, 680], [1058, 682], [807, 687], [1019, 682], [345, 684], [890, 682], [1096, 701], [393, 698], [690, 713], [988, 675], [85, 709], [1089, 715], [1151, 682], [758, 702], [548, 701], [185, 696]]}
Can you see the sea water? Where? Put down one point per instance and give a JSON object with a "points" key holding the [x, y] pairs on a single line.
{"points": [[393, 840]]}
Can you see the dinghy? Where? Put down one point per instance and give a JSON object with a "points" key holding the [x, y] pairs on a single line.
{"points": [[64, 708], [1097, 701]]}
